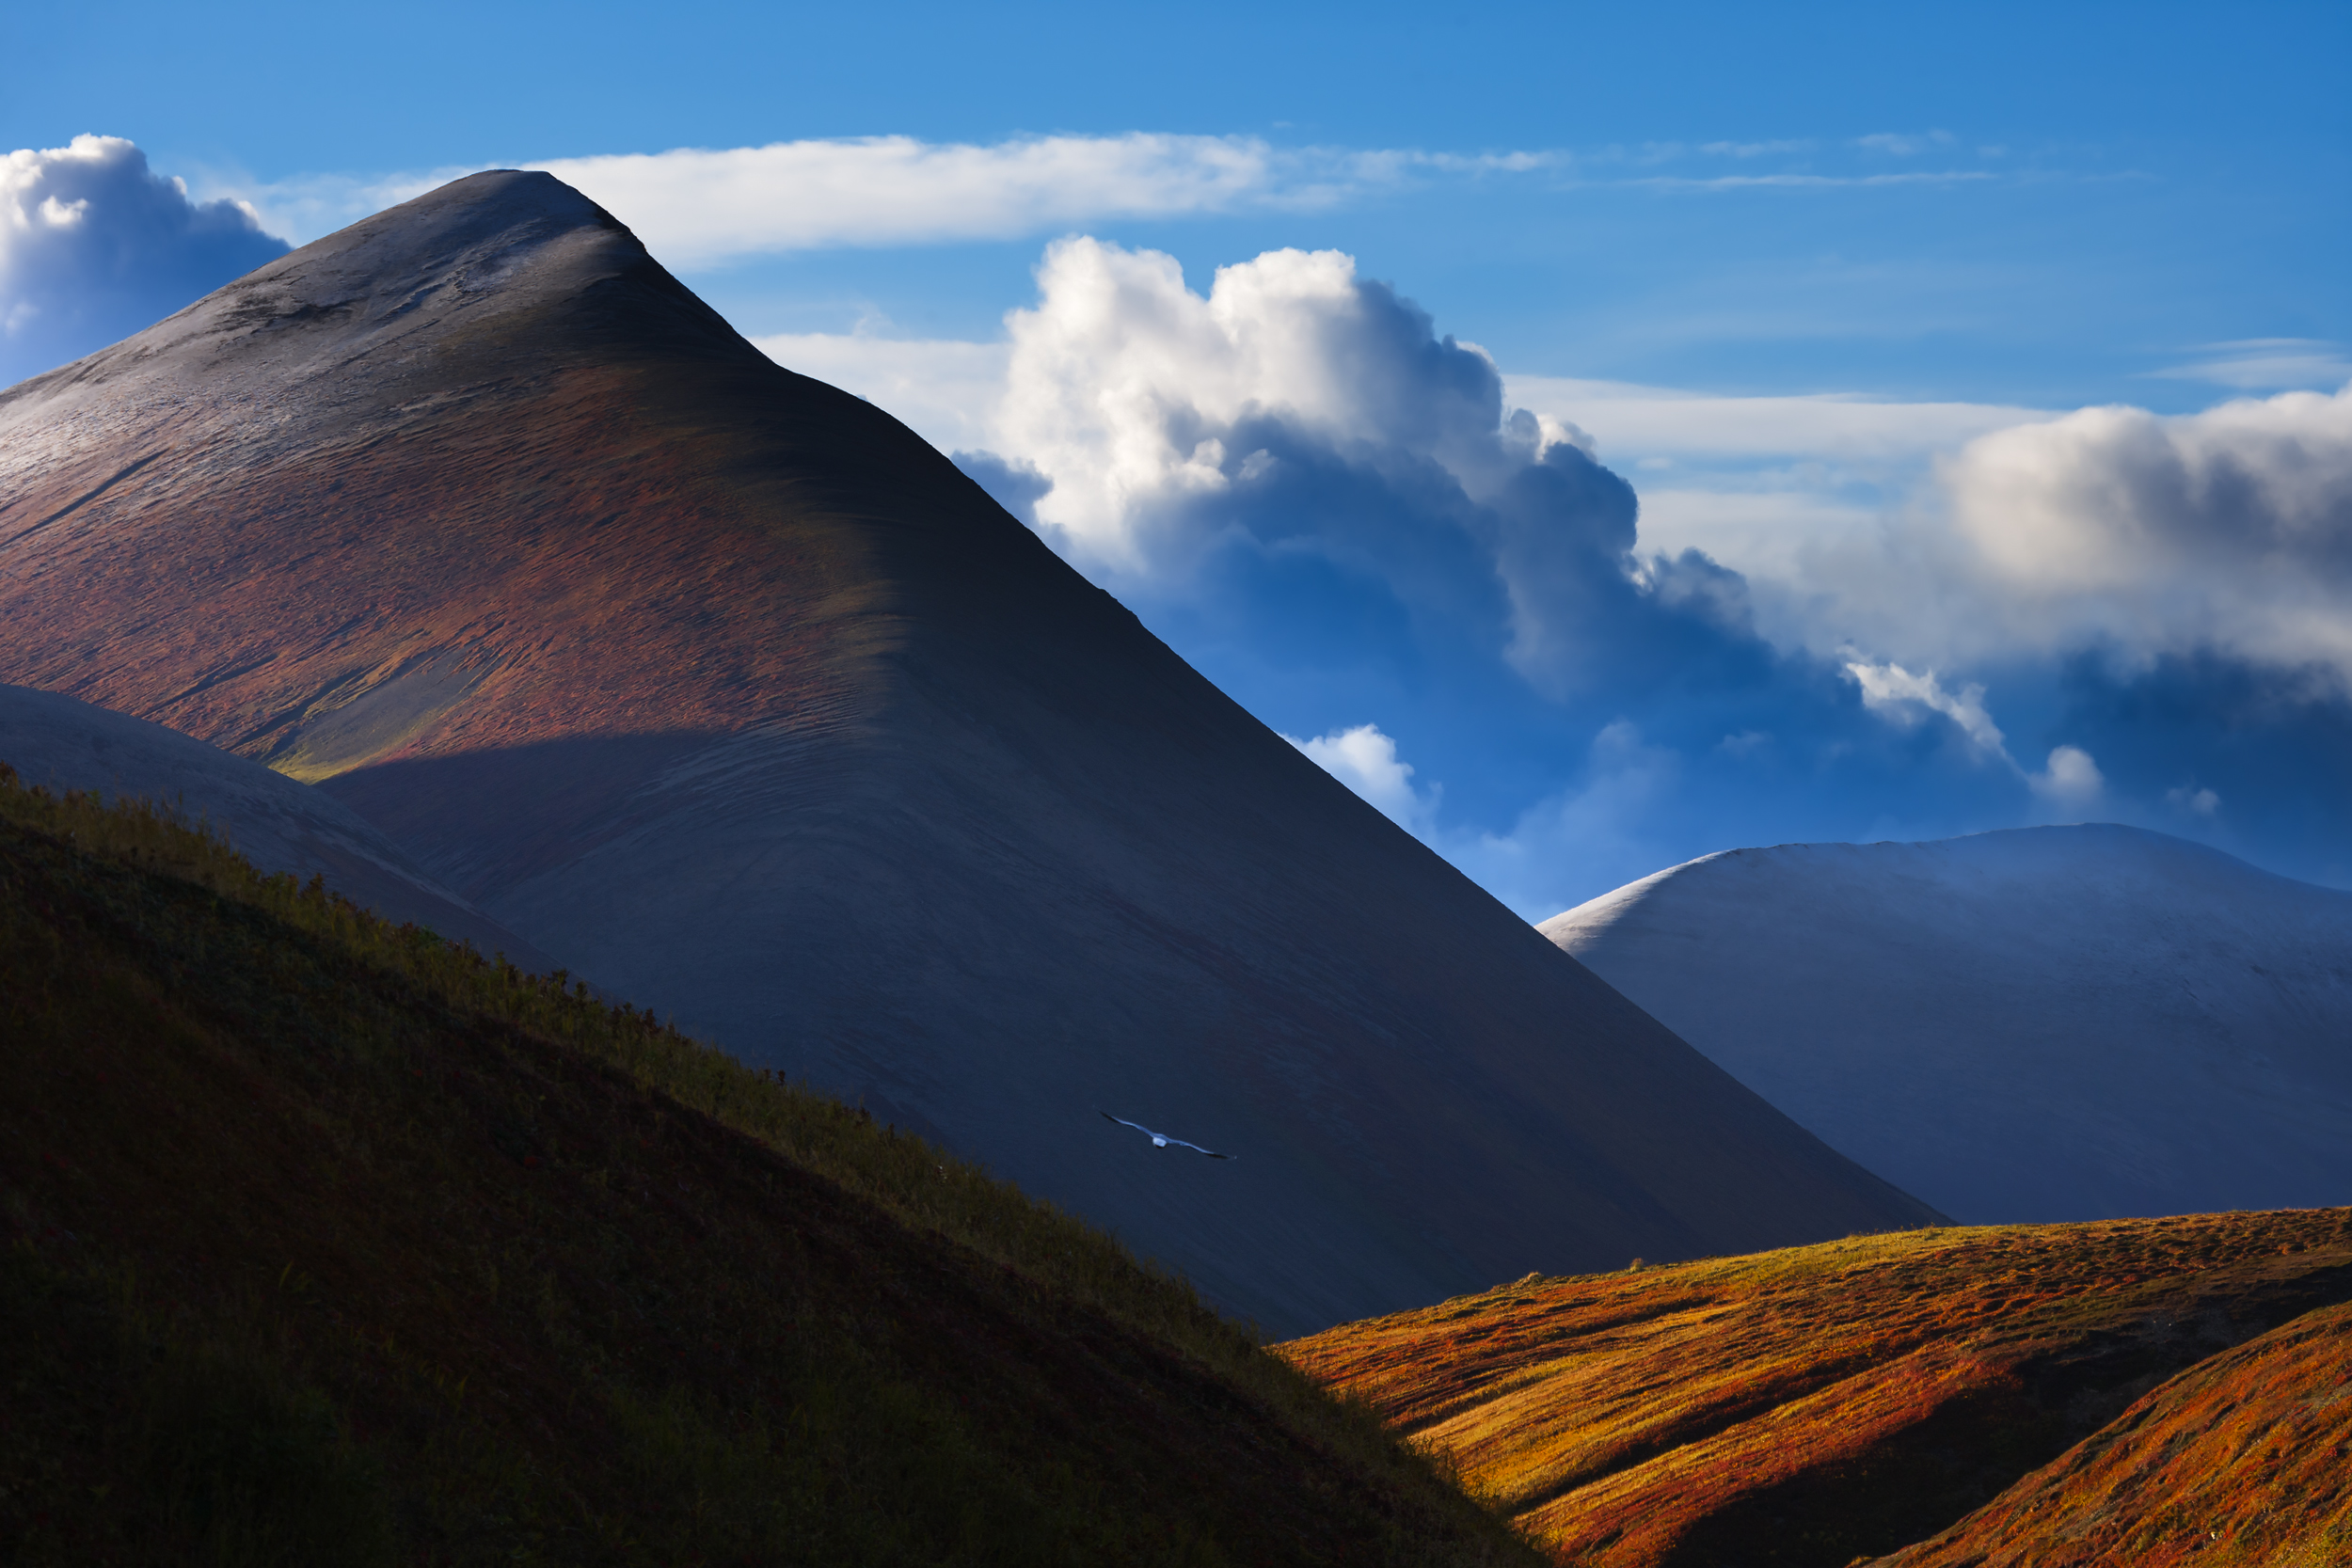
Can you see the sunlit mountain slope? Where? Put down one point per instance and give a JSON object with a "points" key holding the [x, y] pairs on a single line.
{"points": [[2045, 1024], [1804, 1406], [2246, 1458], [725, 689]]}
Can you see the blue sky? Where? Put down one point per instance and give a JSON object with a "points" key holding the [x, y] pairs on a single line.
{"points": [[1825, 288]]}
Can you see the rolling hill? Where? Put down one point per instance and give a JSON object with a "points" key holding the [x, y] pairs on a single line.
{"points": [[281, 826], [1803, 1407], [324, 1240], [721, 687], [2242, 1459], [2049, 1024]]}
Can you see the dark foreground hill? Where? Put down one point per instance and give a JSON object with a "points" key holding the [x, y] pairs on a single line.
{"points": [[721, 687], [1798, 1409], [2045, 1023], [328, 1242]]}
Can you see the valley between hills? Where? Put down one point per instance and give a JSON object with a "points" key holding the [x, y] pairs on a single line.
{"points": [[585, 921]]}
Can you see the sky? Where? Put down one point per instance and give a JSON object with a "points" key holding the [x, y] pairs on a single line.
{"points": [[1602, 437]]}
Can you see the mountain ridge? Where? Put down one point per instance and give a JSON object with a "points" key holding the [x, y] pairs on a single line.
{"points": [[725, 689]]}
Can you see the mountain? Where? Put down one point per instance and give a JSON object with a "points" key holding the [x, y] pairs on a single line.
{"points": [[2043, 1024], [283, 826], [2243, 1458], [723, 687], [323, 1242], [1798, 1409]]}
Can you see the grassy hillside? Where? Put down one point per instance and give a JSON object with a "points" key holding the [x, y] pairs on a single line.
{"points": [[2243, 1458], [329, 1241], [1809, 1406]]}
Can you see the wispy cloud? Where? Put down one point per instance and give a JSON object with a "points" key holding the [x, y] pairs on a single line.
{"points": [[1808, 182], [2266, 364], [707, 206], [1904, 143]]}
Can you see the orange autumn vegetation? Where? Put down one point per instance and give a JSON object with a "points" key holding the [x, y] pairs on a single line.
{"points": [[1814, 1404], [2246, 1458]]}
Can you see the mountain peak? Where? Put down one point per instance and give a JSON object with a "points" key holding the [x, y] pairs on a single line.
{"points": [[457, 287]]}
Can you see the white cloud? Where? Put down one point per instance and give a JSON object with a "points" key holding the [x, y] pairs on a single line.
{"points": [[1126, 386], [2228, 530], [94, 247], [1903, 145], [2069, 780], [1365, 760], [2267, 364], [1904, 698], [945, 390], [701, 207], [1627, 418]]}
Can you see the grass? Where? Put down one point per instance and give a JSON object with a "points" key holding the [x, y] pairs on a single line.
{"points": [[2244, 1459], [319, 1229], [1810, 1405]]}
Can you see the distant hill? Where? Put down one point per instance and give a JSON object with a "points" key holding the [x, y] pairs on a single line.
{"points": [[58, 743], [1799, 1408], [721, 687], [2049, 1024], [323, 1242]]}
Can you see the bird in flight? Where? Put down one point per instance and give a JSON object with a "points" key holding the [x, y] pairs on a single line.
{"points": [[1161, 1140]]}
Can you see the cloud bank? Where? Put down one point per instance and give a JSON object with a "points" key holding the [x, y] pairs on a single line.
{"points": [[2227, 531], [1363, 530], [94, 247], [1338, 515]]}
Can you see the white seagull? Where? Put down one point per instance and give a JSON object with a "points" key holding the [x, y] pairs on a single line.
{"points": [[1161, 1140]]}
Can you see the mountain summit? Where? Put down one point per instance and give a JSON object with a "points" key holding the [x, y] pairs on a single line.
{"points": [[726, 690]]}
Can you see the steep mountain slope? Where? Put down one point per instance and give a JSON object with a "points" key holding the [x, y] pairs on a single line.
{"points": [[721, 687], [2044, 1025], [281, 826], [1798, 1407], [325, 1242], [2243, 1458]]}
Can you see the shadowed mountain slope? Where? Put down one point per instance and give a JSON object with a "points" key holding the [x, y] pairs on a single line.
{"points": [[2048, 1024], [323, 1242], [723, 688], [2243, 1458], [1800, 1407], [59, 744]]}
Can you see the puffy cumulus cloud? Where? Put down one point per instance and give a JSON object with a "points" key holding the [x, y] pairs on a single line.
{"points": [[1338, 515], [2228, 530], [1366, 761], [1357, 528], [93, 247], [1312, 419], [2071, 780]]}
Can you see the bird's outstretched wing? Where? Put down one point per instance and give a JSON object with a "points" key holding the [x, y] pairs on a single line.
{"points": [[1198, 1150], [1162, 1137]]}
